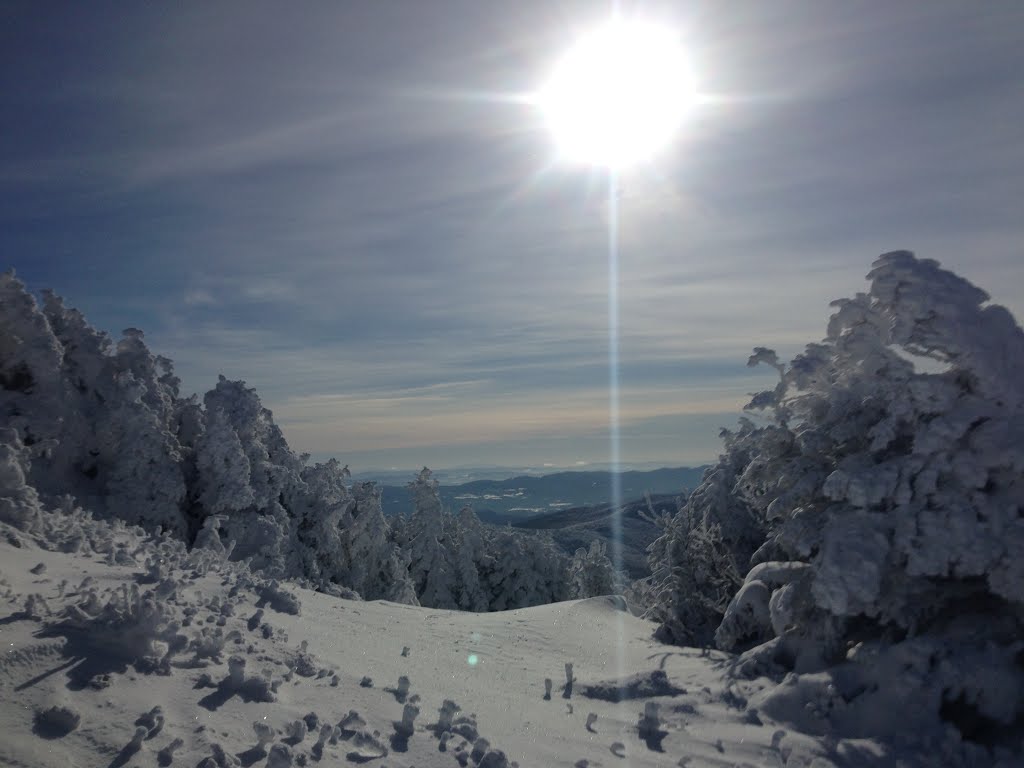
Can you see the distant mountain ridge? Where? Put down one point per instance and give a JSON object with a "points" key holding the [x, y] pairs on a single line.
{"points": [[519, 498]]}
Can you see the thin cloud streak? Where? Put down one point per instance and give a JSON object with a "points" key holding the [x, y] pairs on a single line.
{"points": [[327, 209]]}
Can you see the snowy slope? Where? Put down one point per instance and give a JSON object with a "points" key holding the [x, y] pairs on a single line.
{"points": [[492, 666]]}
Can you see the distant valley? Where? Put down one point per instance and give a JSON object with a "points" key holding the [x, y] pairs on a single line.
{"points": [[578, 527], [517, 499]]}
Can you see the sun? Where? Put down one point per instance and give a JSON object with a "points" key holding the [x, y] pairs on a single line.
{"points": [[619, 95]]}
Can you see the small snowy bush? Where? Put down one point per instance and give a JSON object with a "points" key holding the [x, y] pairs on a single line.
{"points": [[129, 626]]}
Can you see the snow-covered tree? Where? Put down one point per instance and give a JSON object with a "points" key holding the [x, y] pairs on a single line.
{"points": [[430, 567], [103, 417], [344, 538], [88, 389], [892, 496], [471, 558], [19, 502], [378, 569], [247, 471], [524, 569], [591, 572], [223, 470], [273, 467], [30, 366], [106, 426], [140, 465], [698, 562]]}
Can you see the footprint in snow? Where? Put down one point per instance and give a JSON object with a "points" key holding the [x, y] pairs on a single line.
{"points": [[618, 749]]}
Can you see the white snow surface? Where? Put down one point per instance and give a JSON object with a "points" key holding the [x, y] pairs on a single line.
{"points": [[492, 666]]}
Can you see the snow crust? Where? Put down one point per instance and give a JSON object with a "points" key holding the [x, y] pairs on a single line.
{"points": [[214, 665]]}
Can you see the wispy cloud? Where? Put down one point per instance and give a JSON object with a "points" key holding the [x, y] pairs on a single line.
{"points": [[326, 209]]}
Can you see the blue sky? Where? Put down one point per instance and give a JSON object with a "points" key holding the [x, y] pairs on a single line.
{"points": [[332, 202]]}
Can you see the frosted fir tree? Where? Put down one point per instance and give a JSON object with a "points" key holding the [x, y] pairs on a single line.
{"points": [[319, 506], [139, 460], [19, 502], [31, 387], [430, 565], [698, 562], [103, 417], [273, 467], [222, 467], [86, 350], [471, 558], [897, 480], [591, 572], [88, 387], [263, 530], [377, 568], [891, 493], [505, 577], [140, 464], [549, 568], [154, 372], [525, 570]]}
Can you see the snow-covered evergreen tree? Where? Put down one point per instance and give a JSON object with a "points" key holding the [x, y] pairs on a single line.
{"points": [[471, 558], [106, 425], [140, 465], [591, 572], [88, 389], [222, 467], [19, 502], [892, 496], [378, 569], [103, 417], [268, 478], [31, 391], [698, 562], [431, 568], [525, 569]]}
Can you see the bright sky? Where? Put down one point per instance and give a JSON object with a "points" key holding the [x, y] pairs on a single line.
{"points": [[334, 203]]}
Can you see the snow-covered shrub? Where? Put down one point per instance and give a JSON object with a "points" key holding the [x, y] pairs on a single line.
{"points": [[279, 599], [893, 498], [129, 626], [697, 563], [19, 502]]}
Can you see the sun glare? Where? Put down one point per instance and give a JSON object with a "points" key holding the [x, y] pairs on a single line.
{"points": [[618, 95]]}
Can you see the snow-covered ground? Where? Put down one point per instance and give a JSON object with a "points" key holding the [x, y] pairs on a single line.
{"points": [[90, 678]]}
